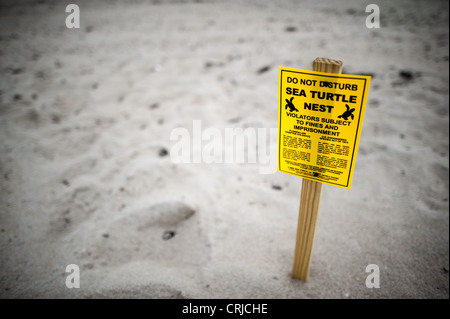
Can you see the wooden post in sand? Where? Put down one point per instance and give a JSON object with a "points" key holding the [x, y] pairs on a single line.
{"points": [[310, 200]]}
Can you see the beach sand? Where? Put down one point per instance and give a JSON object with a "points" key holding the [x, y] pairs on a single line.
{"points": [[88, 175]]}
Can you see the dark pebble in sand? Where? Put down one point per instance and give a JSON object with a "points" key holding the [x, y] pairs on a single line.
{"points": [[406, 75], [290, 29], [168, 234], [56, 119], [163, 152], [263, 69], [17, 71]]}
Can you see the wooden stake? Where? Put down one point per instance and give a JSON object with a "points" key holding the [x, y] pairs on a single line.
{"points": [[327, 65], [311, 195]]}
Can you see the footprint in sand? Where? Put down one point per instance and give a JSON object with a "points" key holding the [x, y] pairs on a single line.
{"points": [[166, 233], [432, 195], [77, 207]]}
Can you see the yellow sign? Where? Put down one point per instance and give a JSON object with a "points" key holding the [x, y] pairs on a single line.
{"points": [[319, 124]]}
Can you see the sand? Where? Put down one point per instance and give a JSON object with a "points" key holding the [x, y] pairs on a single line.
{"points": [[88, 176]]}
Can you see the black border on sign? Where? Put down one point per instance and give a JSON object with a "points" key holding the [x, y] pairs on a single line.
{"points": [[357, 128]]}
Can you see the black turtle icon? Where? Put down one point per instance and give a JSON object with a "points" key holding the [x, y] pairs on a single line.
{"points": [[291, 105], [347, 113]]}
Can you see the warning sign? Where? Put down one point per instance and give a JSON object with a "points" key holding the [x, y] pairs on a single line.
{"points": [[319, 124]]}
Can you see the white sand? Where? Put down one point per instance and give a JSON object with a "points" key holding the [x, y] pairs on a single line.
{"points": [[85, 112]]}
